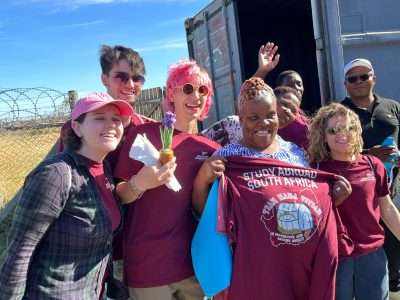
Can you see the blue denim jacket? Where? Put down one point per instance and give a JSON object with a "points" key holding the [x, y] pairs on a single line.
{"points": [[61, 236]]}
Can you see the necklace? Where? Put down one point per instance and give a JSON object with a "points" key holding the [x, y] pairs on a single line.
{"points": [[342, 172]]}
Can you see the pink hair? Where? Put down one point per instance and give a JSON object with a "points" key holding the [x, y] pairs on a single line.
{"points": [[183, 72]]}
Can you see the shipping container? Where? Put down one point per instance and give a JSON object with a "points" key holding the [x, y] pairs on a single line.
{"points": [[315, 38]]}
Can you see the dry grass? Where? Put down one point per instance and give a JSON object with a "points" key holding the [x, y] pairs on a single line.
{"points": [[20, 152]]}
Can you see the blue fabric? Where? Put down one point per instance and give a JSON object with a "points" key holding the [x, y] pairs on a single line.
{"points": [[391, 162], [211, 252], [363, 278]]}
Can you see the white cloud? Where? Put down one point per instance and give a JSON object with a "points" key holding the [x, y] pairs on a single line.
{"points": [[171, 22], [164, 44], [78, 24]]}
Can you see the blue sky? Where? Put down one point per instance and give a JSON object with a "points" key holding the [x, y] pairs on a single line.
{"points": [[55, 43]]}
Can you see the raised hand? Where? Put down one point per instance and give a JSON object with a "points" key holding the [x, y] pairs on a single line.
{"points": [[267, 59]]}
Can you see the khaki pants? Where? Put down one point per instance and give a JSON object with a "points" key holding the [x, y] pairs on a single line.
{"points": [[187, 289]]}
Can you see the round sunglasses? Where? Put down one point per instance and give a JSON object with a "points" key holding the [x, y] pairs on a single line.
{"points": [[123, 77], [189, 88]]}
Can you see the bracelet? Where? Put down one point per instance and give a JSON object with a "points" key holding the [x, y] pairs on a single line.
{"points": [[133, 187]]}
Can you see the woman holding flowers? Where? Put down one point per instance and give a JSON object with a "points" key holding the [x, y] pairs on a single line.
{"points": [[160, 223], [335, 145], [61, 237]]}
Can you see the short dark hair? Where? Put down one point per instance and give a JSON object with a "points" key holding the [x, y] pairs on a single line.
{"points": [[110, 56], [283, 90], [281, 77], [72, 141]]}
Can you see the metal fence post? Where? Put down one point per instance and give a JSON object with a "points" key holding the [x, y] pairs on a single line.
{"points": [[72, 98]]}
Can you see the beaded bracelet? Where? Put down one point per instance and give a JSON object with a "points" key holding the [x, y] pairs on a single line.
{"points": [[133, 187]]}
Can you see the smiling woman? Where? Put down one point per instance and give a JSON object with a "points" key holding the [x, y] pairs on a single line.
{"points": [[68, 202], [158, 211], [258, 117], [335, 146], [263, 211]]}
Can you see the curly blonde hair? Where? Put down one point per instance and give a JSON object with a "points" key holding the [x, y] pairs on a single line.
{"points": [[252, 89], [318, 149]]}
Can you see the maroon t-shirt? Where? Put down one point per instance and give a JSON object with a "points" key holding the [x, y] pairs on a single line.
{"points": [[280, 221], [112, 158], [160, 225], [360, 212], [296, 132], [105, 189]]}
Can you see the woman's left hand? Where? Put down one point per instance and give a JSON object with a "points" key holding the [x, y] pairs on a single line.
{"points": [[341, 189], [212, 168]]}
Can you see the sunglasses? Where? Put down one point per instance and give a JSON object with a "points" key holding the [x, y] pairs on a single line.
{"points": [[123, 78], [189, 88], [339, 130], [355, 78]]}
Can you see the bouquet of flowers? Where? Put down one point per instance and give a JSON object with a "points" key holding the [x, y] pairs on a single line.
{"points": [[166, 132]]}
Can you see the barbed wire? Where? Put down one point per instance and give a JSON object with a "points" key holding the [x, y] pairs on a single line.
{"points": [[30, 123], [30, 107]]}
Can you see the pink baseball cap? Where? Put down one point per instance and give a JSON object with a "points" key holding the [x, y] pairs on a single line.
{"points": [[97, 100]]}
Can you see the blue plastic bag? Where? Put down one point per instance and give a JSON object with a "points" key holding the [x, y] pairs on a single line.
{"points": [[211, 252], [391, 163]]}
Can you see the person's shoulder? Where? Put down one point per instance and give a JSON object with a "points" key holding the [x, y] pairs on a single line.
{"points": [[388, 101], [66, 125], [301, 120], [231, 119], [205, 140], [347, 102], [140, 119], [228, 150], [56, 166], [287, 144], [372, 159], [148, 128]]}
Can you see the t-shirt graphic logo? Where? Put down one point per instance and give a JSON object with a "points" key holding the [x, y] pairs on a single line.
{"points": [[109, 186], [291, 218], [203, 156]]}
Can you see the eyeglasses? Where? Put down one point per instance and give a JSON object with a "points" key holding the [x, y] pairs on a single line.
{"points": [[340, 130], [189, 88], [355, 78], [123, 78]]}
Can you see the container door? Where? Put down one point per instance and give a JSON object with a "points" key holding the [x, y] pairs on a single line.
{"points": [[213, 42]]}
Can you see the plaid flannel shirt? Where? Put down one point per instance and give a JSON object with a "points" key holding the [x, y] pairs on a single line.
{"points": [[61, 237]]}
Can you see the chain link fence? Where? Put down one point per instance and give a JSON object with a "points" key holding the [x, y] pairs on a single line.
{"points": [[30, 122]]}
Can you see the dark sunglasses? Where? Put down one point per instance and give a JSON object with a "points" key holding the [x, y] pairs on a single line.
{"points": [[355, 78], [337, 130], [189, 88], [123, 77]]}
